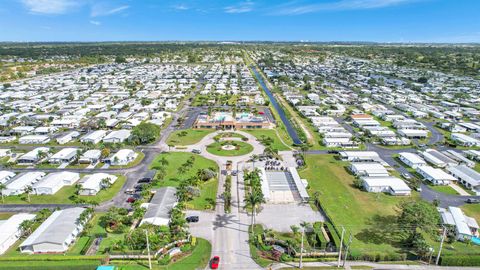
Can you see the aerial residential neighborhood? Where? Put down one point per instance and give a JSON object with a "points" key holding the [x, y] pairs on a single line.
{"points": [[258, 134]]}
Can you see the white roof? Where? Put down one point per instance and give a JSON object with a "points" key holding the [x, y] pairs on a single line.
{"points": [[460, 220], [56, 179], [413, 158], [11, 226], [120, 134], [122, 154], [93, 181], [93, 153], [97, 134], [64, 153], [6, 174], [435, 173], [34, 153], [359, 154], [24, 180], [396, 184]]}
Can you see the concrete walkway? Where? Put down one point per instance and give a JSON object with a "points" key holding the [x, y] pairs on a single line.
{"points": [[349, 264], [458, 189]]}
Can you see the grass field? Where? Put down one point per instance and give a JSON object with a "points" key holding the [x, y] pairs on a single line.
{"points": [[445, 189], [62, 196], [193, 136], [368, 216], [243, 148], [472, 210], [172, 178], [5, 215], [271, 133]]}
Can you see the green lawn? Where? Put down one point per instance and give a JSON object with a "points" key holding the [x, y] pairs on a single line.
{"points": [[271, 133], [193, 136], [472, 210], [242, 148], [368, 216], [5, 215], [78, 246], [173, 178], [445, 189], [51, 265], [62, 196]]}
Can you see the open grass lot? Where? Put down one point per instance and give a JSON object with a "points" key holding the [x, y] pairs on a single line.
{"points": [[62, 196], [368, 216], [51, 265], [445, 189], [173, 177], [242, 148], [271, 133], [472, 210], [192, 136]]}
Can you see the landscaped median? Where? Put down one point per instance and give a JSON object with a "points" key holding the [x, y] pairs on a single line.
{"points": [[229, 148], [187, 136]]}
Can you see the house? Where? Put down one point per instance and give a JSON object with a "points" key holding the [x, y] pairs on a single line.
{"points": [[466, 176], [17, 185], [34, 139], [66, 155], [388, 184], [368, 169], [360, 156], [92, 184], [56, 233], [90, 157], [122, 157], [411, 160], [117, 136], [10, 230], [464, 140], [68, 137], [5, 153], [53, 182], [5, 176], [435, 176], [437, 159], [465, 226], [413, 133], [159, 208], [94, 137], [33, 156], [338, 142]]}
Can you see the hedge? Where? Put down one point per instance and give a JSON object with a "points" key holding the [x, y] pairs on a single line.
{"points": [[457, 260], [333, 233]]}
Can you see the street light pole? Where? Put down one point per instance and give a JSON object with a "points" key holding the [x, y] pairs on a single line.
{"points": [[444, 234], [341, 246], [148, 250]]}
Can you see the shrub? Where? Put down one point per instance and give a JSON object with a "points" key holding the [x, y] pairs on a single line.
{"points": [[459, 260], [164, 260]]}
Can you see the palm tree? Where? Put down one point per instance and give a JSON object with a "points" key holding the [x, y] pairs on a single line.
{"points": [[28, 190], [105, 183], [26, 227], [253, 158], [2, 187], [304, 225], [253, 200]]}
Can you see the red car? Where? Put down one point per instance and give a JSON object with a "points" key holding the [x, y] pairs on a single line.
{"points": [[131, 200], [215, 262]]}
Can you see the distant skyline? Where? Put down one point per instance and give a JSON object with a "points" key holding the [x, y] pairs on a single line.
{"points": [[398, 21]]}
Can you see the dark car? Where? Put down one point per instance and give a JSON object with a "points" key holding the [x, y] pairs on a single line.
{"points": [[192, 219], [215, 262], [196, 151], [472, 201]]}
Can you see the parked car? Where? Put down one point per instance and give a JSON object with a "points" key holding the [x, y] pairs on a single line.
{"points": [[131, 200], [419, 189], [192, 219], [130, 191], [234, 172], [406, 176], [215, 262], [196, 151], [472, 201]]}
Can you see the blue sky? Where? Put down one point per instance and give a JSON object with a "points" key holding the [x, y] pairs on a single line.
{"points": [[276, 20]]}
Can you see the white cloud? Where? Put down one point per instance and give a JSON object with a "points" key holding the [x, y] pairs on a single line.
{"points": [[95, 22], [181, 7], [104, 10], [242, 7], [51, 6], [293, 8]]}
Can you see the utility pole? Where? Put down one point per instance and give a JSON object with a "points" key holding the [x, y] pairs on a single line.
{"points": [[444, 234], [148, 250], [346, 250], [341, 246], [431, 254]]}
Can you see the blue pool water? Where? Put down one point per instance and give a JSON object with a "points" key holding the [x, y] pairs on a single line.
{"points": [[476, 240]]}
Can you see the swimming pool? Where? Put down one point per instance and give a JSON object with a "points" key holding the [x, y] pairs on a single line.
{"points": [[476, 240]]}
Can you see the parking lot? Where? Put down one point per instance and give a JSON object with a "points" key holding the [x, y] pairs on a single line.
{"points": [[280, 217]]}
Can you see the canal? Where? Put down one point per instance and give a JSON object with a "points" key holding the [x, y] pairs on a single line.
{"points": [[291, 131]]}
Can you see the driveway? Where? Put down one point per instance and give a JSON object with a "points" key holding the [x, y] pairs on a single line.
{"points": [[280, 217], [204, 227]]}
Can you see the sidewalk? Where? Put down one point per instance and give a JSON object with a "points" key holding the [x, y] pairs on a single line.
{"points": [[349, 264], [460, 190]]}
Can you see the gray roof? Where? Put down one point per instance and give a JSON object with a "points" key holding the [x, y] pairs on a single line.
{"points": [[56, 228], [162, 203]]}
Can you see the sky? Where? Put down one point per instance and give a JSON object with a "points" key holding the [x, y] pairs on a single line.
{"points": [[452, 21]]}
